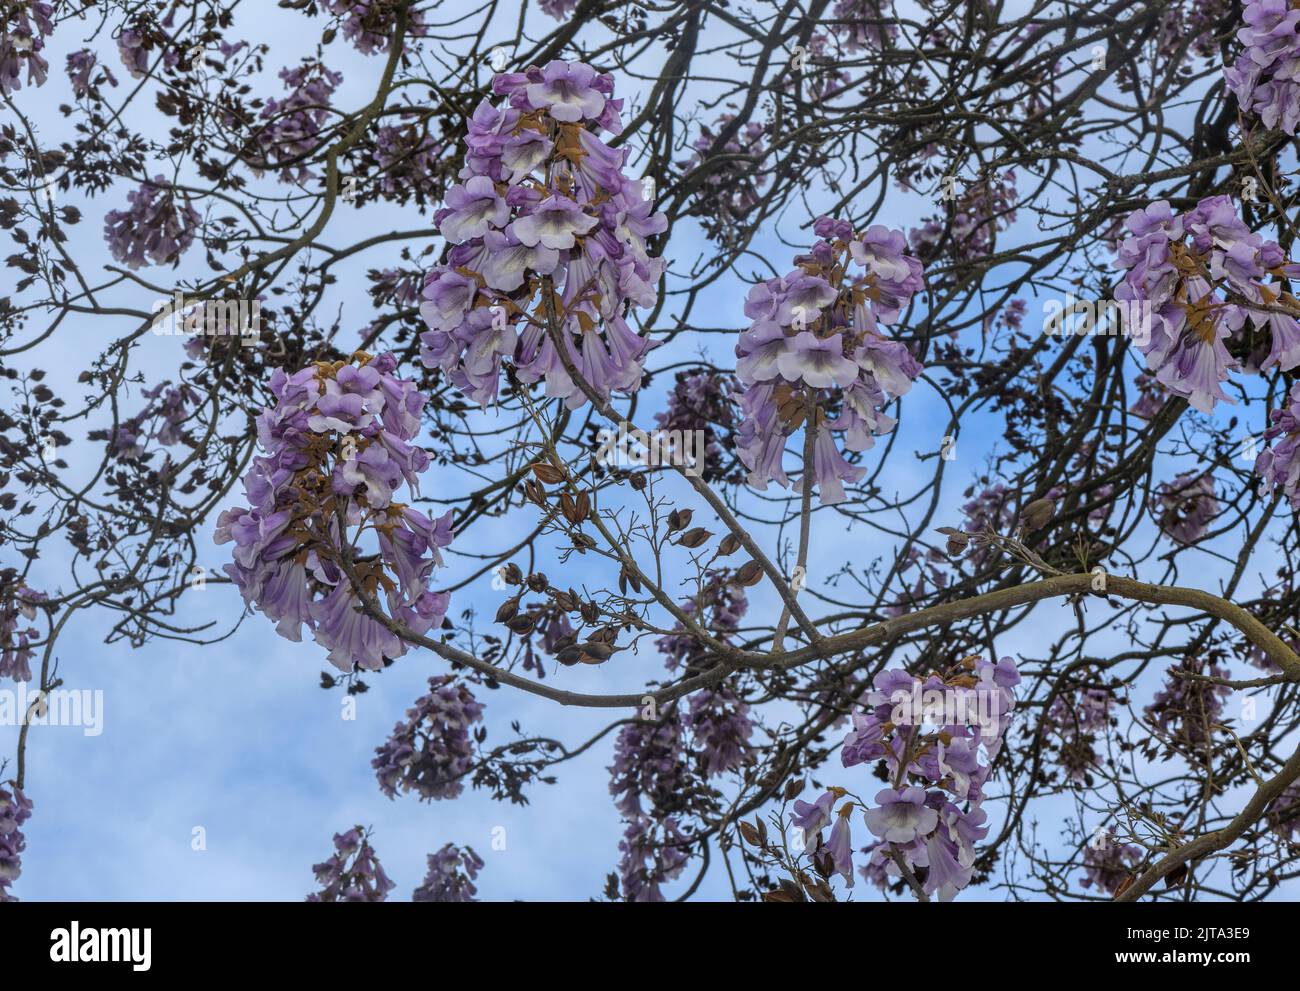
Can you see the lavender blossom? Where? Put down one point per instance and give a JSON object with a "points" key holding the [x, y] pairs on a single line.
{"points": [[544, 201], [22, 39], [433, 750], [814, 350], [156, 229], [353, 873], [1279, 465], [451, 876], [15, 809], [338, 448]]}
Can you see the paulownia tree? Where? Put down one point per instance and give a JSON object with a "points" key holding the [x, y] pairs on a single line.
{"points": [[624, 420]]}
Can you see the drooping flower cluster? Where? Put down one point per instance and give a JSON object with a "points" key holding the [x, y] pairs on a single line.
{"points": [[15, 809], [451, 876], [1266, 76], [1151, 397], [1075, 719], [353, 873], [1185, 507], [938, 737], [1187, 710], [371, 24], [432, 751], [156, 229], [1107, 863], [22, 38], [649, 780], [543, 203], [338, 447], [291, 130], [702, 401], [1279, 465], [720, 729], [814, 354], [19, 603], [1183, 270]]}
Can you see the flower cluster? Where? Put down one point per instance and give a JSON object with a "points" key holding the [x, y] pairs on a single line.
{"points": [[549, 238], [938, 737], [1185, 507], [702, 401], [338, 445], [1073, 722], [157, 228], [19, 602], [371, 24], [650, 779], [1107, 864], [361, 880], [1186, 710], [15, 809], [1279, 465], [1264, 77], [432, 751], [81, 67], [720, 729], [451, 876], [1185, 268], [291, 128], [22, 37], [814, 354], [136, 42]]}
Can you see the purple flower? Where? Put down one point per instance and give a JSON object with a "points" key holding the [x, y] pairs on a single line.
{"points": [[451, 876], [15, 809], [901, 816], [353, 873], [568, 90], [1264, 76], [22, 38], [1279, 465], [432, 751], [823, 343], [338, 448], [18, 603], [813, 817], [157, 228], [544, 200]]}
